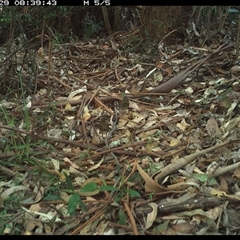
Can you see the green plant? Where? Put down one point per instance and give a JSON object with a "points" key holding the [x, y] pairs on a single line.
{"points": [[4, 18], [122, 218], [57, 37], [7, 226], [14, 141], [92, 27], [75, 198], [3, 219], [121, 192]]}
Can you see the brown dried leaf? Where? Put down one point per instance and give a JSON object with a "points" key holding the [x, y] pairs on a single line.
{"points": [[183, 125], [68, 107], [150, 184], [152, 215], [235, 69], [31, 223], [86, 114], [224, 184], [236, 173], [102, 226], [95, 139], [212, 128], [228, 126], [96, 166], [159, 64], [12, 190], [169, 71], [183, 228], [40, 52], [124, 104], [39, 195]]}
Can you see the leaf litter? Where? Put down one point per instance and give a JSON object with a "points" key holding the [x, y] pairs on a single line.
{"points": [[95, 151]]}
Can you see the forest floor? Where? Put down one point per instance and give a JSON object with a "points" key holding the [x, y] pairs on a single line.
{"points": [[93, 152]]}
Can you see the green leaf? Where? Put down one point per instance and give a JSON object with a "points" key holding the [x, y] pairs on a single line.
{"points": [[205, 179], [133, 193], [201, 177], [162, 228], [117, 199], [122, 218], [115, 143], [73, 203], [108, 188], [69, 182], [51, 197], [82, 205], [89, 187]]}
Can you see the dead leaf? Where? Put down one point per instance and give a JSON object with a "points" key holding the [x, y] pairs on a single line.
{"points": [[224, 184], [231, 218], [74, 171], [39, 195], [11, 190], [217, 192], [150, 184], [40, 52], [95, 166], [228, 126], [159, 64], [68, 107], [183, 228], [56, 163], [212, 128], [29, 221], [70, 162], [169, 71], [152, 215], [45, 217], [235, 69], [174, 142], [214, 213], [95, 138], [158, 77], [189, 90], [102, 226], [134, 105], [236, 173], [124, 104], [86, 114]]}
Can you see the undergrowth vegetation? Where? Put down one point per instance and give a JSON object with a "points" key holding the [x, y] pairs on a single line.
{"points": [[89, 141]]}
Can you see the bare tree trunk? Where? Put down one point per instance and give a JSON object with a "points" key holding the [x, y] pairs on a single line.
{"points": [[159, 21], [117, 18], [106, 20]]}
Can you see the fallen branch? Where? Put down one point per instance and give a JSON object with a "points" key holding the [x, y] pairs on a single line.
{"points": [[180, 77], [186, 160]]}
